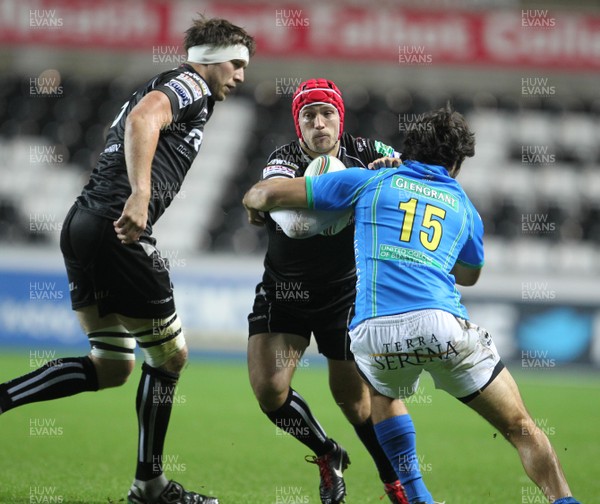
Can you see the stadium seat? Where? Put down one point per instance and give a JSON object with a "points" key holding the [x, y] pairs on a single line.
{"points": [[563, 188]]}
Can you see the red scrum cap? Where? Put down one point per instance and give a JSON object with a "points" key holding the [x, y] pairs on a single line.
{"points": [[315, 91]]}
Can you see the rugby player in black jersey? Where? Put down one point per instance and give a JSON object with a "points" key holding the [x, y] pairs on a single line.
{"points": [[119, 283], [308, 288]]}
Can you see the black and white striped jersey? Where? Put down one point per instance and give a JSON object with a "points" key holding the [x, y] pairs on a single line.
{"points": [[318, 259], [178, 144]]}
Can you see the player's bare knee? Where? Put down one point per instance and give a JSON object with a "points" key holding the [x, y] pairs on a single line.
{"points": [[356, 409], [518, 428], [354, 401], [270, 392], [270, 397], [525, 428], [272, 403], [112, 373], [117, 378], [270, 385]]}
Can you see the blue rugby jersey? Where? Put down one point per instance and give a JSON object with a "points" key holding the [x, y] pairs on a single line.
{"points": [[413, 223]]}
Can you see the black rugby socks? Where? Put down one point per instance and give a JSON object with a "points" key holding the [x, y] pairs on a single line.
{"points": [[366, 433], [57, 378], [154, 402], [295, 418]]}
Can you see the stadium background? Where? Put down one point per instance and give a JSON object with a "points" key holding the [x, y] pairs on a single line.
{"points": [[526, 76]]}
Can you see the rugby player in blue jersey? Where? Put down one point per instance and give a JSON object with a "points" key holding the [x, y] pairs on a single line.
{"points": [[417, 235], [307, 290]]}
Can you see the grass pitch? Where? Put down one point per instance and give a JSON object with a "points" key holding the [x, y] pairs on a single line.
{"points": [[82, 449]]}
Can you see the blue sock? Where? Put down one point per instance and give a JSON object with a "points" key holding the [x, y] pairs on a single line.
{"points": [[397, 437], [566, 500]]}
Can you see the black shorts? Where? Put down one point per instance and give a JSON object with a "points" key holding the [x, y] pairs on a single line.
{"points": [[304, 309], [131, 280]]}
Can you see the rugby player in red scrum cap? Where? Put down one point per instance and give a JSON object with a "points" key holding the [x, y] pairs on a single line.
{"points": [[308, 288]]}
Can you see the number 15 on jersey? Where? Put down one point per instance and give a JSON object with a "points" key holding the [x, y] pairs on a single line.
{"points": [[431, 229]]}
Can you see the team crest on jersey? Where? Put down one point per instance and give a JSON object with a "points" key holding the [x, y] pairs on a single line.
{"points": [[361, 144], [183, 94]]}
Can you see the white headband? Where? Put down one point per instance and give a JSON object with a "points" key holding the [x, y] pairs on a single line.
{"points": [[210, 54]]}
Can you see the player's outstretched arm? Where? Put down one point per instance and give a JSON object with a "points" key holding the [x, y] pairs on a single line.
{"points": [[275, 193]]}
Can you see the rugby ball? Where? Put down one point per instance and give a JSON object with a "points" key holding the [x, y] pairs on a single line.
{"points": [[324, 164], [337, 220]]}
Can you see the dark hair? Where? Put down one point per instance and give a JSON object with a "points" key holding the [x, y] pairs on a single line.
{"points": [[217, 32], [440, 137]]}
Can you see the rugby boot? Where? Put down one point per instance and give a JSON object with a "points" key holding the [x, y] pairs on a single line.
{"points": [[331, 467], [395, 492], [173, 493]]}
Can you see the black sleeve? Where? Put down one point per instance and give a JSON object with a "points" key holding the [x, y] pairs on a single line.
{"points": [[187, 94], [281, 163], [374, 149]]}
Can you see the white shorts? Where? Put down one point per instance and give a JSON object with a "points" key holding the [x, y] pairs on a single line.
{"points": [[391, 352]]}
